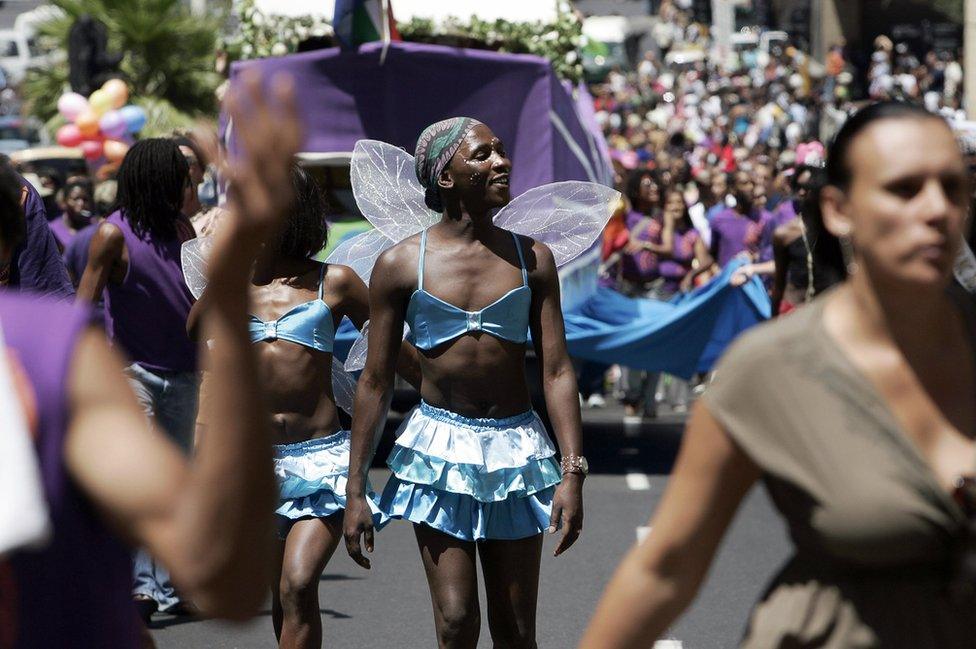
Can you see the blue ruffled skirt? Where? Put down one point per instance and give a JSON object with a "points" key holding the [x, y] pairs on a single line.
{"points": [[474, 479], [312, 479]]}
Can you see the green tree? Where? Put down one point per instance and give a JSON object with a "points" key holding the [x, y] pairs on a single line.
{"points": [[168, 57]]}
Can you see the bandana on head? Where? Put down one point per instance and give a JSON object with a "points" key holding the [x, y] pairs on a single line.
{"points": [[435, 148]]}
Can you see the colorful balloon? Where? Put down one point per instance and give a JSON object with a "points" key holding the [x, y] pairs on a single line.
{"points": [[115, 150], [69, 135], [71, 105], [92, 149], [87, 123], [118, 91], [100, 102], [112, 124], [134, 116]]}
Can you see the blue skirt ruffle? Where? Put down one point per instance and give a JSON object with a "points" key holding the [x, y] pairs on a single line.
{"points": [[474, 479], [312, 478]]}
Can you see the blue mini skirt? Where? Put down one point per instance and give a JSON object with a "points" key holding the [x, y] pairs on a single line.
{"points": [[312, 479], [471, 478]]}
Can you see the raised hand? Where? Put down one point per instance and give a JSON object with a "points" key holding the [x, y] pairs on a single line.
{"points": [[269, 134]]}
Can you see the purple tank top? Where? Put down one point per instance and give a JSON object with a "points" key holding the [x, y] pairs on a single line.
{"points": [[75, 592], [146, 314]]}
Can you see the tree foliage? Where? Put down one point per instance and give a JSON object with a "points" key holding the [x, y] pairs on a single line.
{"points": [[168, 55]]}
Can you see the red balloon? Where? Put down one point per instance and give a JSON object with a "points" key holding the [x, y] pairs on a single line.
{"points": [[69, 135], [92, 149]]}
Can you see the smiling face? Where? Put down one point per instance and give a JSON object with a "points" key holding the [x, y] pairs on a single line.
{"points": [[478, 174], [906, 202]]}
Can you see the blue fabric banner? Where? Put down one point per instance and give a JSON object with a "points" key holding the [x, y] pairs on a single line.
{"points": [[680, 337]]}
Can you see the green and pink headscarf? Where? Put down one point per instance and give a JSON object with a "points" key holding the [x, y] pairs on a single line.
{"points": [[435, 148]]}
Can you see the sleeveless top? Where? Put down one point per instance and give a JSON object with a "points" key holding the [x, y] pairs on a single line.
{"points": [[146, 314], [434, 322], [76, 591], [876, 537], [308, 324]]}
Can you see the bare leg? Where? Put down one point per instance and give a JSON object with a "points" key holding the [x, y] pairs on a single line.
{"points": [[276, 614], [309, 546], [452, 576], [511, 570]]}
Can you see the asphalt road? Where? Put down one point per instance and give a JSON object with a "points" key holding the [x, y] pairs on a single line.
{"points": [[390, 606]]}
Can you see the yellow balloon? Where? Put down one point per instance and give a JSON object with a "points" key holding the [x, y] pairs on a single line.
{"points": [[87, 123], [118, 91], [115, 150], [100, 102]]}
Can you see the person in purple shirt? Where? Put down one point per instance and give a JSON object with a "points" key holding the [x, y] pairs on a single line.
{"points": [[36, 263], [77, 213], [134, 260], [719, 190], [107, 477], [744, 230]]}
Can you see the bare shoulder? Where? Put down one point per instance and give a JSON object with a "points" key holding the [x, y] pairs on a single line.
{"points": [[398, 264], [341, 277], [109, 235], [767, 344], [538, 256]]}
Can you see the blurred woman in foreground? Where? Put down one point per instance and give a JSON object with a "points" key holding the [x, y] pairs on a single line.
{"points": [[858, 413], [109, 478]]}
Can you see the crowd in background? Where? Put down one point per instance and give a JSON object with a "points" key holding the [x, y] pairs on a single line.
{"points": [[715, 157]]}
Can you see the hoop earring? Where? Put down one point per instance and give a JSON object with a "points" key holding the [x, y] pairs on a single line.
{"points": [[847, 252]]}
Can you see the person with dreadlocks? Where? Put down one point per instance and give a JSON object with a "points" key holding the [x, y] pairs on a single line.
{"points": [[134, 260]]}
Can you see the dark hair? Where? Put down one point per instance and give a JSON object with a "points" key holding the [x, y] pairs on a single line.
{"points": [[182, 140], [685, 219], [827, 256], [13, 227], [634, 183], [152, 178], [78, 181], [306, 232], [839, 173]]}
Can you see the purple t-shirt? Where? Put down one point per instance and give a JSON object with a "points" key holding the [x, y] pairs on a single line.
{"points": [[673, 270], [36, 265], [733, 233], [75, 592], [146, 314], [61, 232], [785, 212], [642, 266]]}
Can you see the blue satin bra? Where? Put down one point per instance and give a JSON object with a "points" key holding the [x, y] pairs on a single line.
{"points": [[434, 322], [308, 324]]}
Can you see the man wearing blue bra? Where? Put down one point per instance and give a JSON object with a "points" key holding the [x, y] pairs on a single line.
{"points": [[473, 467], [296, 304]]}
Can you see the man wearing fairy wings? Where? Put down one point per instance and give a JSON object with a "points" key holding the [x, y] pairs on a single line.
{"points": [[473, 466]]}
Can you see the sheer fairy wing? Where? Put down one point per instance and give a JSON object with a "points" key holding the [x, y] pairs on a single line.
{"points": [[361, 252], [387, 191], [193, 257], [566, 216], [356, 359], [343, 386], [965, 267]]}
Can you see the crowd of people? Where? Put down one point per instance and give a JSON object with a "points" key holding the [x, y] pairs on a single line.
{"points": [[857, 410], [715, 158]]}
